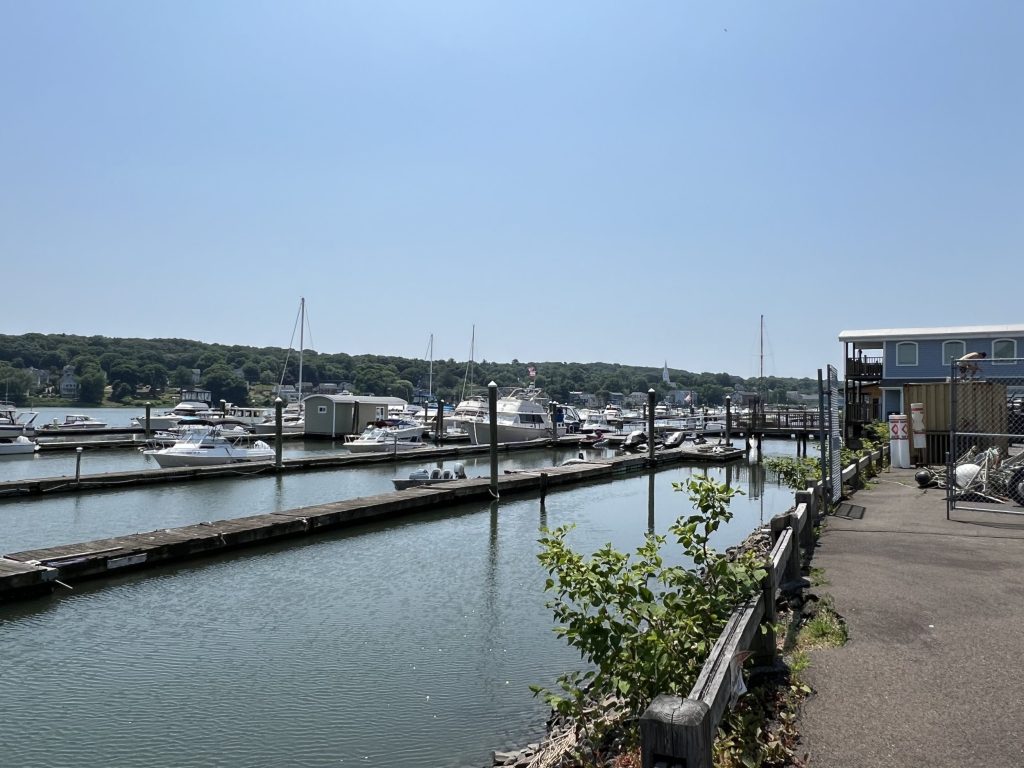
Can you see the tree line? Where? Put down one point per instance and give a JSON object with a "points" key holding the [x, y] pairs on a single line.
{"points": [[230, 372]]}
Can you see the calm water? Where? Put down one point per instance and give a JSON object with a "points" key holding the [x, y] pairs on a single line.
{"points": [[393, 644]]}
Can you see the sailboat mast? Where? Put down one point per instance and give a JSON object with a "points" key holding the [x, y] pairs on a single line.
{"points": [[302, 340], [430, 375], [469, 365]]}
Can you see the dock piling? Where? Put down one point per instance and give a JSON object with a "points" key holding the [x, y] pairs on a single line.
{"points": [[492, 405], [651, 395], [278, 431]]}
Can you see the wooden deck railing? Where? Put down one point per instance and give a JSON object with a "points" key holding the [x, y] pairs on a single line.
{"points": [[864, 368], [679, 733]]}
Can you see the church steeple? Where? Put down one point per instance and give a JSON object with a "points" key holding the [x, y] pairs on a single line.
{"points": [[664, 374]]}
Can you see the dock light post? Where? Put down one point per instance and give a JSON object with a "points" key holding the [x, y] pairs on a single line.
{"points": [[492, 418], [149, 407], [78, 464], [651, 394], [278, 430], [728, 420]]}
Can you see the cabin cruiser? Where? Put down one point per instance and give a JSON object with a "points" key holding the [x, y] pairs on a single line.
{"points": [[209, 445], [388, 436], [293, 421], [13, 423], [521, 415], [613, 413], [194, 403], [473, 408], [597, 422]]}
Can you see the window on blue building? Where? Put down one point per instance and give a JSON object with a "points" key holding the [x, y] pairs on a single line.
{"points": [[953, 350], [906, 353], [1004, 349]]}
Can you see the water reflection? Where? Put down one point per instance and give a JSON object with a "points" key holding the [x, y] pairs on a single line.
{"points": [[650, 503]]}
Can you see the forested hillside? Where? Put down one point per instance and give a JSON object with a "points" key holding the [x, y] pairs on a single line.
{"points": [[125, 365]]}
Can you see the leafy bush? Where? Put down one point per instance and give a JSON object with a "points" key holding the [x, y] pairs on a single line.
{"points": [[794, 473], [643, 627]]}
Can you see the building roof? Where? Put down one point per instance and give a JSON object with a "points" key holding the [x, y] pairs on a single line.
{"points": [[363, 399], [947, 332]]}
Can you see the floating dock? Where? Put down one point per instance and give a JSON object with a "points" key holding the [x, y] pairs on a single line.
{"points": [[31, 573], [46, 486]]}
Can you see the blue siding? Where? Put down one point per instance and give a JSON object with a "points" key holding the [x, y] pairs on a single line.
{"points": [[930, 365], [891, 403]]}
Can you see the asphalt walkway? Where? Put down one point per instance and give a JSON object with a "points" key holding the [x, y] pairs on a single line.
{"points": [[932, 674]]}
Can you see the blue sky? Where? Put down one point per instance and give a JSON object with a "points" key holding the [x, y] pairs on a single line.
{"points": [[580, 181]]}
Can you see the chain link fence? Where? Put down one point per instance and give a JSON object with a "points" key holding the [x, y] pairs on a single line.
{"points": [[985, 466]]}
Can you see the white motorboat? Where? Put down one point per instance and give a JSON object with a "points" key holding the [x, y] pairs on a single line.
{"points": [[194, 403], [76, 421], [13, 423], [613, 413], [472, 408], [597, 422], [521, 416], [20, 445], [388, 436], [430, 477], [293, 421], [202, 446]]}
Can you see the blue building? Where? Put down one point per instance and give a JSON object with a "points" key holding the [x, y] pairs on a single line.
{"points": [[880, 362]]}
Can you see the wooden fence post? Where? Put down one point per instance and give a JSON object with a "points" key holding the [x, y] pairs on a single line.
{"points": [[676, 733], [805, 535]]}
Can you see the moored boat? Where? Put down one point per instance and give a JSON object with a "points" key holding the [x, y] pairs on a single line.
{"points": [[430, 477], [13, 423], [17, 446], [521, 416], [76, 421], [388, 436], [210, 445]]}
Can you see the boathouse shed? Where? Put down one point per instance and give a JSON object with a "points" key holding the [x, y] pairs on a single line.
{"points": [[346, 414]]}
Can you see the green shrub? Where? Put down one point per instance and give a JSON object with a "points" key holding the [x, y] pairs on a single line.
{"points": [[643, 627]]}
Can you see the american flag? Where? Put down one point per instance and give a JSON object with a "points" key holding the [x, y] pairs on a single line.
{"points": [[532, 372], [687, 398]]}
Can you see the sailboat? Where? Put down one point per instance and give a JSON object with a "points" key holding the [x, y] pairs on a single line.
{"points": [[474, 407], [293, 417]]}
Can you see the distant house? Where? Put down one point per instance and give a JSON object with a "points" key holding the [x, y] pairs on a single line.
{"points": [[286, 392], [40, 378], [68, 383], [582, 400], [880, 362]]}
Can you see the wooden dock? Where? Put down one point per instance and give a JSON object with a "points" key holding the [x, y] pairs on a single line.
{"points": [[47, 486], [27, 574]]}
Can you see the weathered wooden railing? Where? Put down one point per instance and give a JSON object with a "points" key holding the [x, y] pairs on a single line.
{"points": [[679, 733]]}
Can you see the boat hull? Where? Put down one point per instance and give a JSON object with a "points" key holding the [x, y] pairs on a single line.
{"points": [[17, 448], [383, 447], [169, 460], [480, 433]]}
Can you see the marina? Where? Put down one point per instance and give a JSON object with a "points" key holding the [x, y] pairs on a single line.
{"points": [[439, 594], [401, 625], [67, 564]]}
